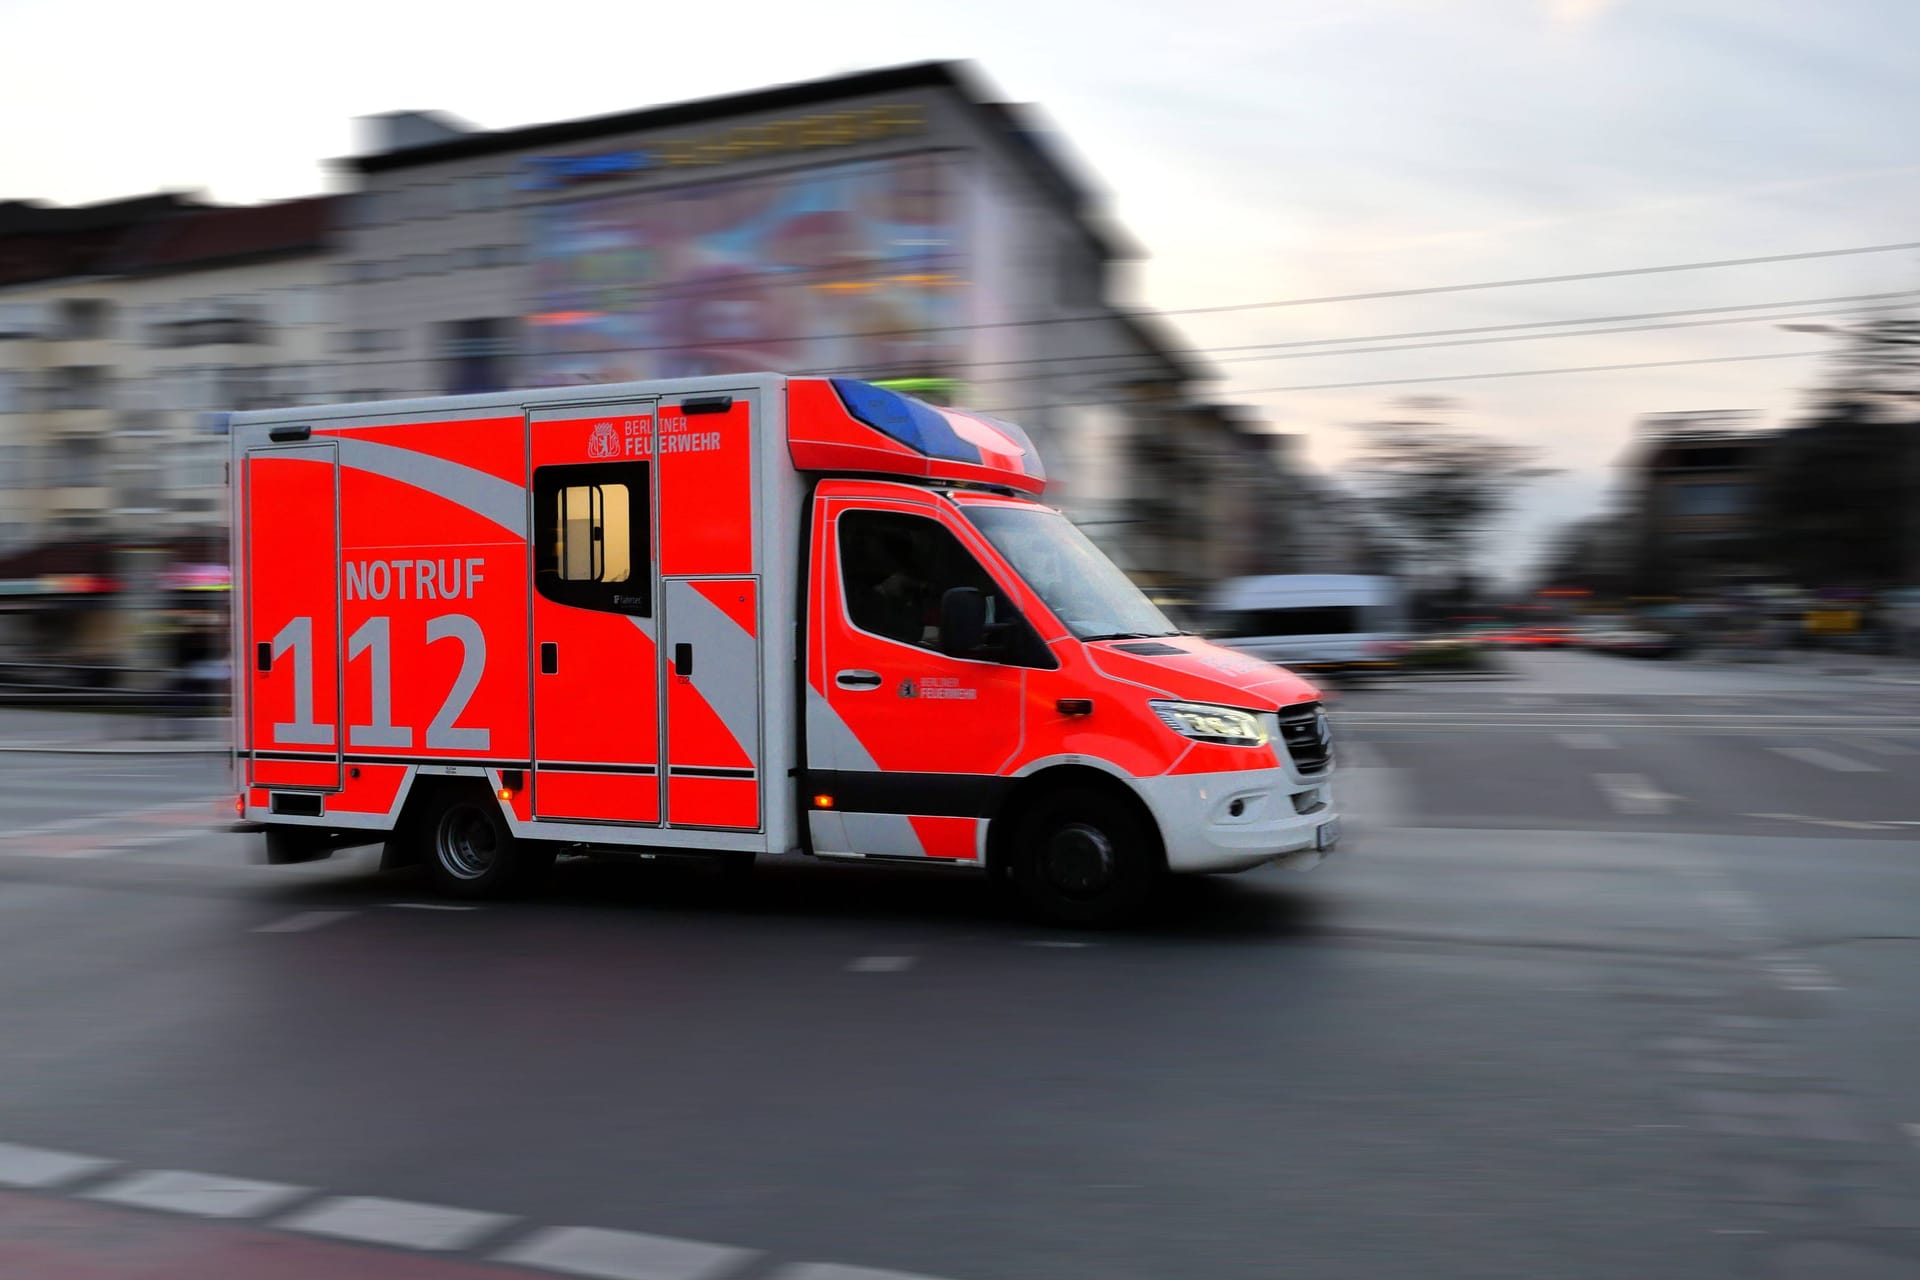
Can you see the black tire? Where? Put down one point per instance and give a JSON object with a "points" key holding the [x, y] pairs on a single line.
{"points": [[1085, 857], [470, 853]]}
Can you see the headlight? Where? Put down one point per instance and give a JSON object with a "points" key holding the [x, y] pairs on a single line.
{"points": [[1204, 722]]}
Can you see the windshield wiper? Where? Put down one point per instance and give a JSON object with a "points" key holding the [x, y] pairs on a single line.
{"points": [[1117, 635]]}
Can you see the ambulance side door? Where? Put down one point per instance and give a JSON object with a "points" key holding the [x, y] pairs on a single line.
{"points": [[594, 615], [907, 746]]}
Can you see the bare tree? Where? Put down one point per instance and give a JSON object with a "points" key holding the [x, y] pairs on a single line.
{"points": [[1437, 485]]}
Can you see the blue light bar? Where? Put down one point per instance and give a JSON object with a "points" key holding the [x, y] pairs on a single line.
{"points": [[913, 423]]}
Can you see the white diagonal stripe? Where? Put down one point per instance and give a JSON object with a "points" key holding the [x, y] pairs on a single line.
{"points": [[624, 1255], [1830, 760], [396, 1222], [1586, 741], [38, 1167], [1632, 793], [301, 921], [205, 1195]]}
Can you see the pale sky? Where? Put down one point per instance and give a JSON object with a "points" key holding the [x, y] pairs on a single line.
{"points": [[1269, 150]]}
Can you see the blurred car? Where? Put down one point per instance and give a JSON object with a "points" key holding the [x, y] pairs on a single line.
{"points": [[1639, 643], [1542, 638], [1337, 623]]}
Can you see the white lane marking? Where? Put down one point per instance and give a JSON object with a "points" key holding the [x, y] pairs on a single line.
{"points": [[1586, 741], [109, 845], [624, 1255], [301, 921], [834, 1271], [1797, 974], [1632, 793], [433, 906], [881, 964], [38, 1167], [402, 1223], [204, 1195], [1825, 759], [106, 819], [1881, 748]]}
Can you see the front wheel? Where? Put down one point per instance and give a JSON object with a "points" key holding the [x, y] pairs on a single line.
{"points": [[470, 853], [1082, 858]]}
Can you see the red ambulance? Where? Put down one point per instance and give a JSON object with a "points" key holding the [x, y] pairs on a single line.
{"points": [[730, 615]]}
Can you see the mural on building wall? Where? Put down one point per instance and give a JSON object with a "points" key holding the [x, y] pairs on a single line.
{"points": [[852, 267]]}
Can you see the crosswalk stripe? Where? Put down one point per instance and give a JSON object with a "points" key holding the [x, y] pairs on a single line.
{"points": [[38, 1167], [402, 1223], [624, 1255], [203, 1195]]}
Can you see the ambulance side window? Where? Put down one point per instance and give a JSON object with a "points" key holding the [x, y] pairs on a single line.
{"points": [[894, 569], [592, 526]]}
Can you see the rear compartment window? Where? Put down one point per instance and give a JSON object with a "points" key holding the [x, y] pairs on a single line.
{"points": [[1332, 620], [591, 536]]}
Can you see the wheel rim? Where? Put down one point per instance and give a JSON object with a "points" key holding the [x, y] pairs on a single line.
{"points": [[1078, 861], [466, 843]]}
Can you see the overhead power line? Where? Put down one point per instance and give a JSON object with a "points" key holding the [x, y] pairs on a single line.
{"points": [[1122, 370], [1568, 278], [1343, 346], [1532, 373]]}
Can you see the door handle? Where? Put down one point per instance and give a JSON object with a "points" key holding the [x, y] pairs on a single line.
{"points": [[683, 659], [263, 656], [857, 679], [549, 658]]}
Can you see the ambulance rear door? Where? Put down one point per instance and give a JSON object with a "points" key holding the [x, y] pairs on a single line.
{"points": [[292, 615]]}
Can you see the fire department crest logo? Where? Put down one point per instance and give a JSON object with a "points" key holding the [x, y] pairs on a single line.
{"points": [[604, 442]]}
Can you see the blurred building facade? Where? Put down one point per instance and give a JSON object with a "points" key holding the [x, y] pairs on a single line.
{"points": [[126, 330], [899, 225], [1693, 500]]}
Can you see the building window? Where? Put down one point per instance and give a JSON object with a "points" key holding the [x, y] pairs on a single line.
{"points": [[82, 318], [80, 386], [77, 463], [591, 536], [475, 355]]}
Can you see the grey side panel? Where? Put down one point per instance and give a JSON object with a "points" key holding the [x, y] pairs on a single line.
{"points": [[726, 668], [830, 744], [882, 833], [488, 496]]}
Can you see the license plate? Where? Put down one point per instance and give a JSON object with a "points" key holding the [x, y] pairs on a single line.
{"points": [[1327, 835]]}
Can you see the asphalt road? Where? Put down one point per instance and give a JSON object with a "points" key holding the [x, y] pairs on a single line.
{"points": [[1613, 975]]}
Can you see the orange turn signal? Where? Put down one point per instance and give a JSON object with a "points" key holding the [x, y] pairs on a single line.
{"points": [[823, 801], [506, 793]]}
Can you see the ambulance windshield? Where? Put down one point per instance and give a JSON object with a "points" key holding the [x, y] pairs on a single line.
{"points": [[1085, 590]]}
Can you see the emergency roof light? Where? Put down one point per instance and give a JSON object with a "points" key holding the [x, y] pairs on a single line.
{"points": [[914, 423]]}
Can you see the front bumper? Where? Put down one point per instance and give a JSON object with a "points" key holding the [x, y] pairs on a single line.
{"points": [[1202, 832]]}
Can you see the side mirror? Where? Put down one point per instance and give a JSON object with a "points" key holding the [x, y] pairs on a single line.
{"points": [[963, 621]]}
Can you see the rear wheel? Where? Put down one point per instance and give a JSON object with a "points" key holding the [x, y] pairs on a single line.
{"points": [[1084, 857], [470, 853]]}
